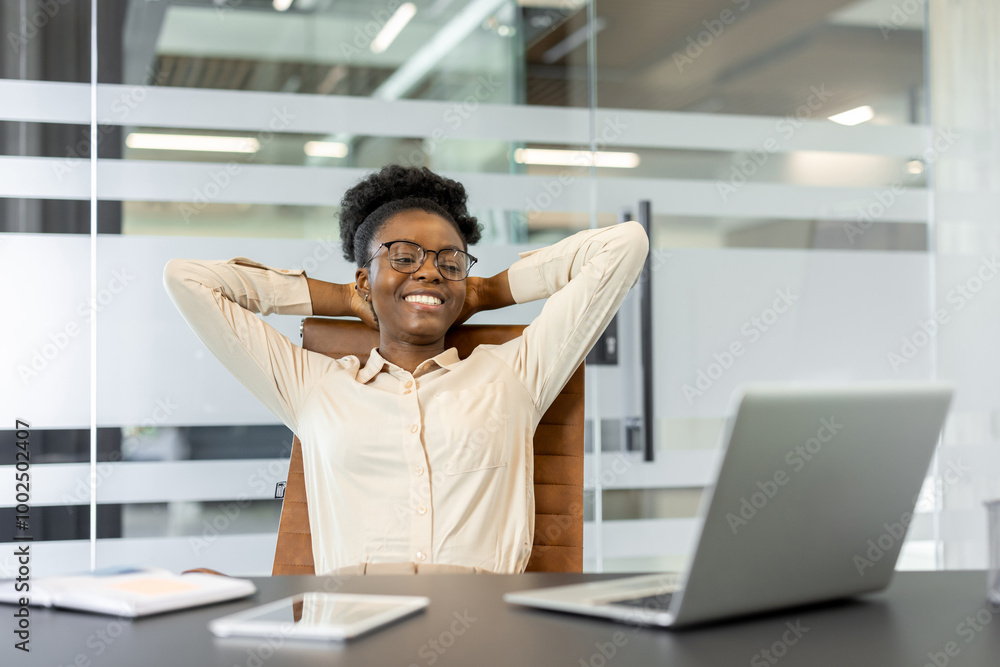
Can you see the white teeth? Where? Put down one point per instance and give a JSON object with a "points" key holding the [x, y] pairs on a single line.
{"points": [[420, 298]]}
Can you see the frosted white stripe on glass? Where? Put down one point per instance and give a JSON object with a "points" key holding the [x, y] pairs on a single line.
{"points": [[661, 537], [151, 481], [728, 316], [239, 555], [198, 184], [47, 341], [170, 107]]}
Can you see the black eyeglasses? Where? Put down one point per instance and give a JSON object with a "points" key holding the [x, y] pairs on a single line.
{"points": [[408, 257]]}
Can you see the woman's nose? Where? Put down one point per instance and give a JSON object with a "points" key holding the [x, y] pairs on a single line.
{"points": [[428, 265]]}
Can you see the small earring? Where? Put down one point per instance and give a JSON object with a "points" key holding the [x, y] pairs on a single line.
{"points": [[366, 297]]}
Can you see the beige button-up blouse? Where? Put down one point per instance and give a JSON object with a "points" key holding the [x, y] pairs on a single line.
{"points": [[430, 467]]}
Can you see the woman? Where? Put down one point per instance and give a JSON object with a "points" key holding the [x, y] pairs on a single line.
{"points": [[417, 457]]}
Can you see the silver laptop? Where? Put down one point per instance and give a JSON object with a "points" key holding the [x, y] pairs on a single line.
{"points": [[811, 502]]}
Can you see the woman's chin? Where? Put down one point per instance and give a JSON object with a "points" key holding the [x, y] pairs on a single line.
{"points": [[422, 335]]}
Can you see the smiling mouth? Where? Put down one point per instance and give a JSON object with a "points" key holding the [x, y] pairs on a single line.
{"points": [[425, 304]]}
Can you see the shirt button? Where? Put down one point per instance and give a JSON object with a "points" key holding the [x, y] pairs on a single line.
{"points": [[413, 429], [421, 510], [407, 391], [419, 470], [421, 555], [409, 383]]}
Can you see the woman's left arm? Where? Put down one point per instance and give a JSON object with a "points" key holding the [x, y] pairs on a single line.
{"points": [[584, 277], [485, 294]]}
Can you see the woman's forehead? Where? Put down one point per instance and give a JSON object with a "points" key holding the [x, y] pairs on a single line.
{"points": [[428, 229]]}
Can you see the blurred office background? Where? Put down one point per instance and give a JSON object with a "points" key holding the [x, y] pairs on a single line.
{"points": [[822, 176]]}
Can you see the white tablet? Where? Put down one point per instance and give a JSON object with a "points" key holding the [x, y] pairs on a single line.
{"points": [[318, 616]]}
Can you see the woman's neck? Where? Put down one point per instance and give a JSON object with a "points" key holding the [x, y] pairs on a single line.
{"points": [[407, 355]]}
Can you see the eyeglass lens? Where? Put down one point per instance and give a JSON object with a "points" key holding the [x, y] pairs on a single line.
{"points": [[407, 257]]}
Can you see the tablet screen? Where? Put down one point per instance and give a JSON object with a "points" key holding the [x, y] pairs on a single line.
{"points": [[320, 615], [327, 609]]}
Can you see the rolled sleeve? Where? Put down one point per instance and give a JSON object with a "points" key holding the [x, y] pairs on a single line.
{"points": [[220, 300], [280, 291], [525, 278]]}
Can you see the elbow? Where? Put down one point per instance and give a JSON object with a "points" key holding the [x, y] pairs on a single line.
{"points": [[637, 237], [635, 241], [175, 273], [172, 273], [635, 248]]}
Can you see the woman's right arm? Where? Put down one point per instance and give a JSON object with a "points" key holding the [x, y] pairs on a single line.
{"points": [[220, 300], [337, 300]]}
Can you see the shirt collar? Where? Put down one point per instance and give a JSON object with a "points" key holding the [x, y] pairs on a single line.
{"points": [[376, 363]]}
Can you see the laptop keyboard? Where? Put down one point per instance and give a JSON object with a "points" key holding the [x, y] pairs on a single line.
{"points": [[659, 602]]}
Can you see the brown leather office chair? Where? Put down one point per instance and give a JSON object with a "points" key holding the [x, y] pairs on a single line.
{"points": [[558, 447]]}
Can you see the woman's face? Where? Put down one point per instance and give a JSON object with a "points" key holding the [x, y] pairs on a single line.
{"points": [[413, 323]]}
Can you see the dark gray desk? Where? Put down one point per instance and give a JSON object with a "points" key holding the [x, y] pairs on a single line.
{"points": [[468, 624]]}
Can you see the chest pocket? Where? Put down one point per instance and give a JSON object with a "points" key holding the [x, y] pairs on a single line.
{"points": [[474, 428]]}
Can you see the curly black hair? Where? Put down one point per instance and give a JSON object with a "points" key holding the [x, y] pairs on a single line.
{"points": [[395, 188]]}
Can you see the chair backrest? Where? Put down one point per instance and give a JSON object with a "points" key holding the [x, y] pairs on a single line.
{"points": [[558, 448]]}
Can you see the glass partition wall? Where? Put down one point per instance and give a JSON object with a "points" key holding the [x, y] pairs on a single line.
{"points": [[784, 152]]}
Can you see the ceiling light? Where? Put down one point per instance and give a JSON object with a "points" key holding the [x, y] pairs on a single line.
{"points": [[282, 5], [576, 158], [915, 167], [393, 27], [326, 149], [192, 142], [854, 116]]}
